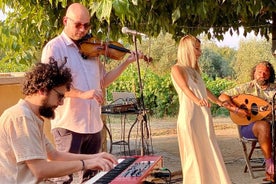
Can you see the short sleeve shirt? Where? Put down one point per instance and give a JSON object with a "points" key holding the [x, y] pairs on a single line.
{"points": [[253, 88], [22, 139]]}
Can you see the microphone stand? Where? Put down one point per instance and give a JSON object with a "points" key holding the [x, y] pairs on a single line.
{"points": [[273, 132], [142, 117]]}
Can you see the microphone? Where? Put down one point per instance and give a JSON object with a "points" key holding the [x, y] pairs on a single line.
{"points": [[125, 30]]}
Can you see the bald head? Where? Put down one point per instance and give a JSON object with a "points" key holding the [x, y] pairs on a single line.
{"points": [[77, 11], [76, 21]]}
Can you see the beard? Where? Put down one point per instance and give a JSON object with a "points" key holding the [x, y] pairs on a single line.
{"points": [[262, 82], [46, 111]]}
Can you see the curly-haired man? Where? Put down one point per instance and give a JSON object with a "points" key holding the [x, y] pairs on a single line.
{"points": [[261, 85], [26, 156]]}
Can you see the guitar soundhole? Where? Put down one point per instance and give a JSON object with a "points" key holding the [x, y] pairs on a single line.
{"points": [[254, 109], [244, 107]]}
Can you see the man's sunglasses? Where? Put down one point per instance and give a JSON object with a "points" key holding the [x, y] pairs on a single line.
{"points": [[78, 25]]}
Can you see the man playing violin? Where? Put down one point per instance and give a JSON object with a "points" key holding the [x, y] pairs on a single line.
{"points": [[262, 86], [78, 124]]}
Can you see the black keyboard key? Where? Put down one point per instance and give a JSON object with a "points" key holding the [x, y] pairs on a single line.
{"points": [[117, 170]]}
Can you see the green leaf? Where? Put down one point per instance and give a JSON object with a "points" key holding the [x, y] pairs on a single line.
{"points": [[176, 15], [104, 10]]}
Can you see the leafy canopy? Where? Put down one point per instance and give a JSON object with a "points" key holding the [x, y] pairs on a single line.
{"points": [[32, 23]]}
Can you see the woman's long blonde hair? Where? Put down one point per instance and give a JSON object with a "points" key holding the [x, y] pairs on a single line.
{"points": [[186, 52]]}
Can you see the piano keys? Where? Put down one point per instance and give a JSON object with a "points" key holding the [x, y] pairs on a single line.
{"points": [[130, 170]]}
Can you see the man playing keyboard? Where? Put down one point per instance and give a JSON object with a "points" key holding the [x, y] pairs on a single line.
{"points": [[26, 156]]}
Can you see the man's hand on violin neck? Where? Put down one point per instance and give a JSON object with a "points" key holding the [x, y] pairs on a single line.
{"points": [[132, 56]]}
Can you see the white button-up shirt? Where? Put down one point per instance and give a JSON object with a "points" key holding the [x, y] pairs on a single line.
{"points": [[78, 115]]}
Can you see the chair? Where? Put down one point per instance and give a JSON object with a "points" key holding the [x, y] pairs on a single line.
{"points": [[249, 148]]}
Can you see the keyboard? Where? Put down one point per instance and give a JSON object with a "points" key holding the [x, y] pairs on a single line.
{"points": [[106, 177], [130, 170]]}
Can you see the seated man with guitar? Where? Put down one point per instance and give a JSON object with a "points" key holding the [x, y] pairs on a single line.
{"points": [[249, 106]]}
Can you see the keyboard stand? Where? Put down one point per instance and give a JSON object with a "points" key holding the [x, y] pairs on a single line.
{"points": [[123, 141]]}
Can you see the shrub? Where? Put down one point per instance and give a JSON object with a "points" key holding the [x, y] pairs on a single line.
{"points": [[159, 94]]}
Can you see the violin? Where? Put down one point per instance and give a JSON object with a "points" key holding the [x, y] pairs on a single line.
{"points": [[92, 47]]}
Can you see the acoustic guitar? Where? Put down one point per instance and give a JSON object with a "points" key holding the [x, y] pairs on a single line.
{"points": [[257, 108]]}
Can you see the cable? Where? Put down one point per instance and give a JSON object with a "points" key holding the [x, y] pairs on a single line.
{"points": [[163, 173]]}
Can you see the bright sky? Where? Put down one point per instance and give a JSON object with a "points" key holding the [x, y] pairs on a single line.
{"points": [[233, 41], [2, 17]]}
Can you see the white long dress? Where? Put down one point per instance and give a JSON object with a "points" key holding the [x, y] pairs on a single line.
{"points": [[201, 159]]}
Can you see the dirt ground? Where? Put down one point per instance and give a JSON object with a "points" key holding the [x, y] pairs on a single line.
{"points": [[163, 132], [227, 137], [224, 129]]}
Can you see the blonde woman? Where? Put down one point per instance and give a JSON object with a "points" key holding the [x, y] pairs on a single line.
{"points": [[201, 159]]}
